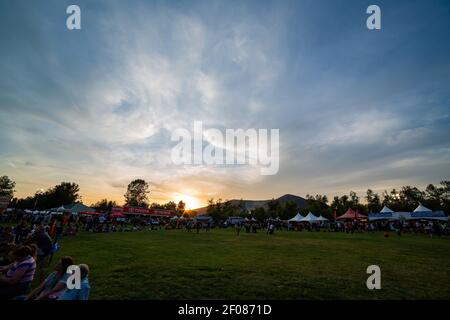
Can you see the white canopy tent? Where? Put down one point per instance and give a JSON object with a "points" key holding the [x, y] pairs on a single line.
{"points": [[320, 218], [385, 214], [310, 218], [386, 210], [423, 213], [298, 217], [421, 208]]}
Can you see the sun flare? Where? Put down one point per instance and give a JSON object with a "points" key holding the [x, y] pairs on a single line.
{"points": [[190, 201]]}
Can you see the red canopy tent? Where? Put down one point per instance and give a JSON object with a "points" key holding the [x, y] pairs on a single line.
{"points": [[142, 212], [350, 214]]}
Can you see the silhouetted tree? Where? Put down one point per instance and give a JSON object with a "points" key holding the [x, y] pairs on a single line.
{"points": [[7, 186], [181, 207], [104, 205], [137, 193]]}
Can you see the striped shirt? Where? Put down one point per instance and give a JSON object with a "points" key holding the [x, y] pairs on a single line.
{"points": [[29, 264]]}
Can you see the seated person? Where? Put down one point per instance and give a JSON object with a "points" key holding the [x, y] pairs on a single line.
{"points": [[19, 274], [44, 242], [85, 288], [55, 284]]}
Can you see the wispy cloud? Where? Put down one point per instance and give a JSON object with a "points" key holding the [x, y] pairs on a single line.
{"points": [[355, 109]]}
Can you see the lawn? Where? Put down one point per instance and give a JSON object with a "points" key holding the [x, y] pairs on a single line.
{"points": [[174, 264]]}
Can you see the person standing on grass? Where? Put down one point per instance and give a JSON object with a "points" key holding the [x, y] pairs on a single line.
{"points": [[237, 228], [247, 227], [270, 228], [188, 226]]}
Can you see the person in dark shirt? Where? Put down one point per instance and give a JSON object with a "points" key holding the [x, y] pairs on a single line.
{"points": [[44, 242]]}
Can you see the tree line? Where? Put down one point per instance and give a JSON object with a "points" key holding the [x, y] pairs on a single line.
{"points": [[435, 197], [406, 199], [63, 193], [137, 195]]}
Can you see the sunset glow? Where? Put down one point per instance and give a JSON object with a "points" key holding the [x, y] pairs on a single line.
{"points": [[191, 202]]}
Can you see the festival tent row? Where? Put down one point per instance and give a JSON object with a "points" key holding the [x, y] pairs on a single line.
{"points": [[75, 208], [310, 217], [421, 212], [143, 211], [117, 212]]}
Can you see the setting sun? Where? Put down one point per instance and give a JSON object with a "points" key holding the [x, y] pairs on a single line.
{"points": [[191, 202]]}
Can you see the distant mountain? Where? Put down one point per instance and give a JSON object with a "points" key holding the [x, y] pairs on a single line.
{"points": [[253, 204], [301, 202]]}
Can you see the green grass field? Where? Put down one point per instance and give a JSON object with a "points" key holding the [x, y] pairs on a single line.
{"points": [[174, 264]]}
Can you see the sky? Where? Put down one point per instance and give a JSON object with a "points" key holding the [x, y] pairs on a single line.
{"points": [[355, 108]]}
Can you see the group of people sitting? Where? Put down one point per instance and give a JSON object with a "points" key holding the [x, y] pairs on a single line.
{"points": [[12, 238], [23, 249], [17, 276]]}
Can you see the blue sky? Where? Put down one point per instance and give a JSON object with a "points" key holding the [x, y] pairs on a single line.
{"points": [[356, 108]]}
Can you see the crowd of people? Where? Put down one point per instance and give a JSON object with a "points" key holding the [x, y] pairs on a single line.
{"points": [[26, 240], [24, 249], [437, 228], [428, 227]]}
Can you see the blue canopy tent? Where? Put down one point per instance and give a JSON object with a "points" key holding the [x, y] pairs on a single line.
{"points": [[422, 212], [384, 214]]}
